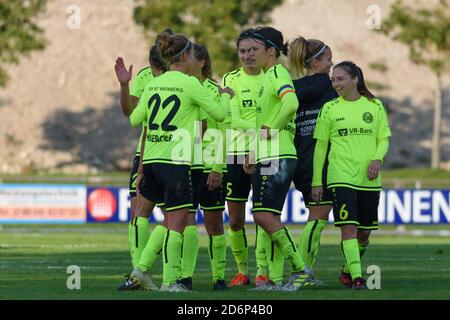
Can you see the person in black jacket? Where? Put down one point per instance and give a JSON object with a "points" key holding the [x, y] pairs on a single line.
{"points": [[310, 61]]}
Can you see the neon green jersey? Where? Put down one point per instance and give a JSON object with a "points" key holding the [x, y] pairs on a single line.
{"points": [[170, 106], [277, 85], [242, 108], [136, 89], [352, 128], [214, 137]]}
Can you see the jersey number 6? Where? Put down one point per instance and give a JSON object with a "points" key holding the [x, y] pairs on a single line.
{"points": [[165, 124]]}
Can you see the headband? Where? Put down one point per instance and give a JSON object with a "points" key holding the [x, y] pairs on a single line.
{"points": [[317, 54], [182, 50]]}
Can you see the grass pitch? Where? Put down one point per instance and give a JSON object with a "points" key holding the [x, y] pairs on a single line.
{"points": [[34, 261]]}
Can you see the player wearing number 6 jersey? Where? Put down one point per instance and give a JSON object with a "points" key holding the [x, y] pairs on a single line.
{"points": [[356, 126], [170, 104]]}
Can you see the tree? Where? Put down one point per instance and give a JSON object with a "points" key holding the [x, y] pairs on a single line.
{"points": [[214, 23], [19, 34], [427, 34]]}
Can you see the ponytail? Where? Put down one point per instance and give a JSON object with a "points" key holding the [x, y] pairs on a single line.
{"points": [[302, 52]]}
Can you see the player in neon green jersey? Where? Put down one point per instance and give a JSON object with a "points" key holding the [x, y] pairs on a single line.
{"points": [[170, 104], [310, 62], [129, 98], [246, 82], [276, 156], [356, 126], [208, 191]]}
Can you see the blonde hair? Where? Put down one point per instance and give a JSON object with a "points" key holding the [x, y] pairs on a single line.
{"points": [[301, 53]]}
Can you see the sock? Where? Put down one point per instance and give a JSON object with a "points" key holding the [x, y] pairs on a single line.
{"points": [[130, 242], [310, 241], [238, 244], [362, 249], [262, 246], [276, 263], [351, 255], [140, 238], [153, 248], [171, 257], [217, 249], [190, 251], [284, 241]]}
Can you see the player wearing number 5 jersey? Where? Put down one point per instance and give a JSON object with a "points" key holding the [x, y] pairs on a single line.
{"points": [[276, 157], [356, 126], [170, 104]]}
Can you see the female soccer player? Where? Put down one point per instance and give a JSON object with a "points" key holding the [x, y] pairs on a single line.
{"points": [[310, 63], [208, 184], [138, 231], [356, 126], [276, 157], [171, 104], [245, 82]]}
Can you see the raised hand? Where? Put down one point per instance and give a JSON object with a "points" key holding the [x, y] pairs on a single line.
{"points": [[123, 75]]}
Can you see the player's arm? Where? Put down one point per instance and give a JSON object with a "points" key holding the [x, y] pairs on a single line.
{"points": [[127, 101], [322, 135], [236, 121], [289, 105], [140, 173], [139, 114], [205, 100], [383, 133]]}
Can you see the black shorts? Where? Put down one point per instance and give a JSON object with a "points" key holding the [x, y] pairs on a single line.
{"points": [[269, 191], [355, 207], [212, 200], [197, 178], [167, 185], [133, 176], [238, 182]]}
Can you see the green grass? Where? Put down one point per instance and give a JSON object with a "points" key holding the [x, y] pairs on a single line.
{"points": [[34, 259]]}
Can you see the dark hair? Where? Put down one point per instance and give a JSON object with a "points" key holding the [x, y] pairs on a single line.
{"points": [[246, 34], [171, 45], [156, 60], [302, 52], [354, 71], [201, 53], [272, 38]]}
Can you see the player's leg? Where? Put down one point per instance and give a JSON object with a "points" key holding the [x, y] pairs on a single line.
{"points": [[190, 233], [345, 210], [177, 186], [213, 203], [133, 205], [238, 189], [271, 183]]}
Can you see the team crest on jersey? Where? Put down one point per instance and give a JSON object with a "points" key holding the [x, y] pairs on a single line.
{"points": [[367, 117]]}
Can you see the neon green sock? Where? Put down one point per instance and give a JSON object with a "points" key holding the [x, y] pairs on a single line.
{"points": [[140, 238], [351, 255], [130, 242], [262, 245], [284, 241], [190, 251], [238, 244], [217, 249], [362, 249], [171, 257], [310, 241], [153, 248], [276, 263]]}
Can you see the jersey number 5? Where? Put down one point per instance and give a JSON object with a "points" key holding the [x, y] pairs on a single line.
{"points": [[165, 124]]}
